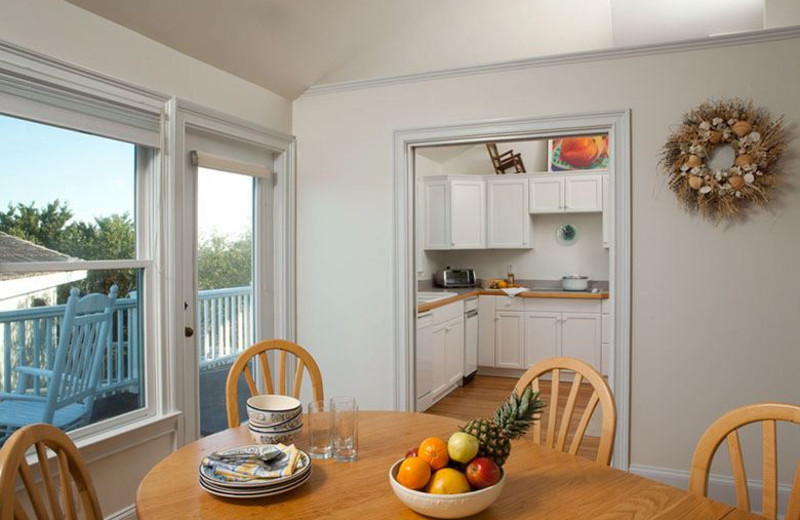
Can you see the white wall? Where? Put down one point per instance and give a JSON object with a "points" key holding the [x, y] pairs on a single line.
{"points": [[714, 308], [63, 31], [548, 260]]}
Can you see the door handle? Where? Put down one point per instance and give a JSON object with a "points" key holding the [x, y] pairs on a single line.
{"points": [[188, 332]]}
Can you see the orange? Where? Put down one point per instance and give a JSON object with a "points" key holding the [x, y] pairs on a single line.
{"points": [[448, 481], [414, 473], [433, 450]]}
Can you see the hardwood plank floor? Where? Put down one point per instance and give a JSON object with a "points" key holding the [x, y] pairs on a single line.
{"points": [[484, 394]]}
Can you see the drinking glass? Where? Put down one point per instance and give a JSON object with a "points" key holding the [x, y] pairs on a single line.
{"points": [[319, 430], [344, 415]]}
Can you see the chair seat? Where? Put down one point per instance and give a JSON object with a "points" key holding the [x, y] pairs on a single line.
{"points": [[15, 414]]}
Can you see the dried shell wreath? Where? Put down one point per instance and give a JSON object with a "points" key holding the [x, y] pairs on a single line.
{"points": [[756, 140]]}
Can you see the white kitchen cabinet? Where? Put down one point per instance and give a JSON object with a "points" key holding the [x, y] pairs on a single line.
{"points": [[424, 362], [454, 213], [546, 194], [435, 214], [580, 337], [454, 353], [509, 330], [566, 193], [470, 336], [447, 351], [542, 336], [508, 220]]}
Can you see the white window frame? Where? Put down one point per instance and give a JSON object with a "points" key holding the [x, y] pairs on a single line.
{"points": [[37, 87]]}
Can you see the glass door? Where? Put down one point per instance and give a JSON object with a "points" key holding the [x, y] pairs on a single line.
{"points": [[225, 303]]}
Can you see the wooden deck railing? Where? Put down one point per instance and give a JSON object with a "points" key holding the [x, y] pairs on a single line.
{"points": [[29, 337]]}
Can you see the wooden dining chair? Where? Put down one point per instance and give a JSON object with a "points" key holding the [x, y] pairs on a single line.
{"points": [[59, 501], [283, 348], [558, 433], [725, 428]]}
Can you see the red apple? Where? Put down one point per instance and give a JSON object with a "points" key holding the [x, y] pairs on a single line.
{"points": [[482, 472], [413, 452]]}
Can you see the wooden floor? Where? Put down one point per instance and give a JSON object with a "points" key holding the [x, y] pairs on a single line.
{"points": [[484, 394]]}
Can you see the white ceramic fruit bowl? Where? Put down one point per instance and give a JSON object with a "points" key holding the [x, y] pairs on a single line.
{"points": [[446, 506]]}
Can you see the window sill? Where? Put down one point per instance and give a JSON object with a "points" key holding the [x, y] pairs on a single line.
{"points": [[107, 443]]}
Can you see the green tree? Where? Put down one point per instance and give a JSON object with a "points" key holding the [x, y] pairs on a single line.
{"points": [[224, 262]]}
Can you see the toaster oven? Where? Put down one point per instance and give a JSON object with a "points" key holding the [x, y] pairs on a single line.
{"points": [[454, 277]]}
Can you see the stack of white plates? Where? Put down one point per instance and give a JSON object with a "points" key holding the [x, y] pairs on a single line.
{"points": [[255, 488]]}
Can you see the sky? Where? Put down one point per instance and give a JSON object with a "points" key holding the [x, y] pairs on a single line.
{"points": [[95, 176]]}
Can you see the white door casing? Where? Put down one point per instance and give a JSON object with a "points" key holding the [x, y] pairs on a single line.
{"points": [[614, 122]]}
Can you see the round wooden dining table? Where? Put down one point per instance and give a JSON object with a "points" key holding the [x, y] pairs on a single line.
{"points": [[541, 483]]}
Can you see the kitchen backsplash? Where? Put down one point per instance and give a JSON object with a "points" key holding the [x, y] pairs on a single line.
{"points": [[548, 260]]}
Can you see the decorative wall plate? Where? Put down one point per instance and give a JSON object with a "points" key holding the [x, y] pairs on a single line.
{"points": [[567, 234]]}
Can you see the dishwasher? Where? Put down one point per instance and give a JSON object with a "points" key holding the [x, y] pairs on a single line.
{"points": [[470, 339]]}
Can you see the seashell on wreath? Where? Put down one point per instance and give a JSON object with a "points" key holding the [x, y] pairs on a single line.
{"points": [[757, 142]]}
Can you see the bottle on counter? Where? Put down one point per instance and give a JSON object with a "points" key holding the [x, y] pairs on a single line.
{"points": [[510, 274]]}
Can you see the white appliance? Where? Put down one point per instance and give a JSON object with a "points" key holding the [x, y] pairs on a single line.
{"points": [[470, 338], [424, 362]]}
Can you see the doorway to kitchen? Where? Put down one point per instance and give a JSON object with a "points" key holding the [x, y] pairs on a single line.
{"points": [[423, 244]]}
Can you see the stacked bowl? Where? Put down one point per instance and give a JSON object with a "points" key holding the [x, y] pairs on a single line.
{"points": [[274, 419]]}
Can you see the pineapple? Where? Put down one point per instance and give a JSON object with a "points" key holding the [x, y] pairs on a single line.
{"points": [[511, 420]]}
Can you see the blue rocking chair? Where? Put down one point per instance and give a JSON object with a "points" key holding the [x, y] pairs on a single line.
{"points": [[72, 382]]}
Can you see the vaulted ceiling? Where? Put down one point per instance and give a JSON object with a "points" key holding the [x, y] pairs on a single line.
{"points": [[289, 45]]}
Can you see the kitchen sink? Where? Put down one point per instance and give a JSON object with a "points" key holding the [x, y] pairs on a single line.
{"points": [[429, 297]]}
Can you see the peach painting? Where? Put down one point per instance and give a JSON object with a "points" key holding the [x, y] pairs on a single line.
{"points": [[578, 153]]}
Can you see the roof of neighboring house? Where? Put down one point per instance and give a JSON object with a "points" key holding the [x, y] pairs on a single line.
{"points": [[13, 249]]}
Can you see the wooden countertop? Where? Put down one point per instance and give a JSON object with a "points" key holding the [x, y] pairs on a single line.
{"points": [[567, 295]]}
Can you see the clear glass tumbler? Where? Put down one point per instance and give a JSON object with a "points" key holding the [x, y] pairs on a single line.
{"points": [[319, 430], [344, 414]]}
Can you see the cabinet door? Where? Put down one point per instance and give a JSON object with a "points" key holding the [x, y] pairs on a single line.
{"points": [[509, 329], [580, 337], [546, 195], [486, 331], [435, 215], [424, 356], [583, 194], [542, 336], [439, 339], [509, 222], [454, 352], [467, 214], [607, 215]]}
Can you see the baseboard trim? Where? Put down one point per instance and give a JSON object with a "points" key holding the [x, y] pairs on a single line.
{"points": [[128, 513], [720, 487]]}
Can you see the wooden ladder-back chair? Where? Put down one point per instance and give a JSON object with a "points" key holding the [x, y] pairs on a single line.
{"points": [[725, 428], [503, 161], [600, 394], [260, 350], [59, 501], [72, 380]]}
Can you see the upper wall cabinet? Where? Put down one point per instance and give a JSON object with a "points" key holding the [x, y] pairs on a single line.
{"points": [[455, 213], [509, 224], [566, 193]]}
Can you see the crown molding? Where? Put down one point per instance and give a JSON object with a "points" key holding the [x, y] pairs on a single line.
{"points": [[768, 35]]}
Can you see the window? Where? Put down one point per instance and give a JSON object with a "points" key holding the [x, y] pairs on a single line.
{"points": [[68, 219]]}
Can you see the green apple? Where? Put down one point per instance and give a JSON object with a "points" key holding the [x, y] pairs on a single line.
{"points": [[462, 447]]}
